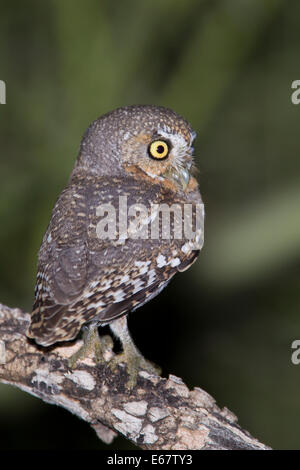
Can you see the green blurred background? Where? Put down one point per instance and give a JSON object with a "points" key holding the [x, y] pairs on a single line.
{"points": [[227, 324]]}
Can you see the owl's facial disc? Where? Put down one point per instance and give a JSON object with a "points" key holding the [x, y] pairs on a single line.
{"points": [[160, 145]]}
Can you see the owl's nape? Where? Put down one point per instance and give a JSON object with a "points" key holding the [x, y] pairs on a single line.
{"points": [[99, 346], [86, 280]]}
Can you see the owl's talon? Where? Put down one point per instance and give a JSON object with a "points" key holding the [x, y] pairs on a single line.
{"points": [[134, 364], [91, 344], [130, 356], [152, 368], [103, 346]]}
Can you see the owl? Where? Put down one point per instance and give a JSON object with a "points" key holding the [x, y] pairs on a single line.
{"points": [[129, 219]]}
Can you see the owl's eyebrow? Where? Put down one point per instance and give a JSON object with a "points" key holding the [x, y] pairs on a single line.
{"points": [[156, 135]]}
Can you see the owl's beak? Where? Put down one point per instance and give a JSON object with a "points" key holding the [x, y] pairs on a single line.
{"points": [[180, 175]]}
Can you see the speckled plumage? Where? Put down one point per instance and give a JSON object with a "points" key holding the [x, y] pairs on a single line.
{"points": [[83, 279]]}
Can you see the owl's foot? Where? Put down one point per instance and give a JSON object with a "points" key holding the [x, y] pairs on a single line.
{"points": [[92, 345], [134, 362], [130, 356], [103, 346]]}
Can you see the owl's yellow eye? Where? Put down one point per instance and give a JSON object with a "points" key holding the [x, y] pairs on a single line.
{"points": [[159, 149]]}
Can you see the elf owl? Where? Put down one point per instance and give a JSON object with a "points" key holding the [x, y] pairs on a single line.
{"points": [[130, 218]]}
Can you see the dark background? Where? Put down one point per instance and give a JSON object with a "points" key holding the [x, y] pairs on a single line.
{"points": [[227, 324]]}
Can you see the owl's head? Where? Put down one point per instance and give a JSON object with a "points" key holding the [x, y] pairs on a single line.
{"points": [[150, 140]]}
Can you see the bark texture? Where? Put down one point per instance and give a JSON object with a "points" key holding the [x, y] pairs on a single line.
{"points": [[158, 413]]}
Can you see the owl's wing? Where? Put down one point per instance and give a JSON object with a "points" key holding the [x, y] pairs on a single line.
{"points": [[141, 288], [82, 278], [62, 267], [115, 293]]}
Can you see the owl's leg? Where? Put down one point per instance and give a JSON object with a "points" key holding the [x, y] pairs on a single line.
{"points": [[131, 356], [91, 344]]}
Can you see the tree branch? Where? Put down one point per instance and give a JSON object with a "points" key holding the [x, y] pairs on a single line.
{"points": [[157, 414]]}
